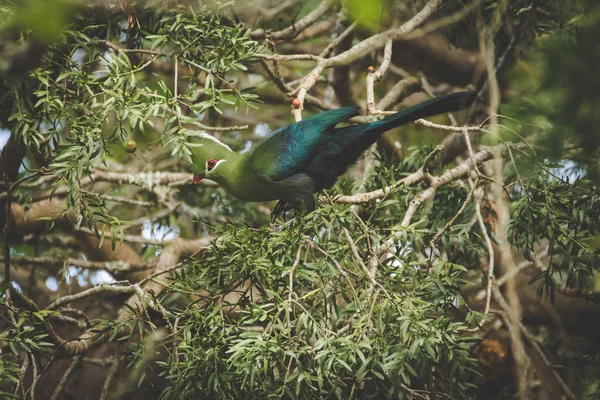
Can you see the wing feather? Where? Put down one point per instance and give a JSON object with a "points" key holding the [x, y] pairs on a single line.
{"points": [[288, 150]]}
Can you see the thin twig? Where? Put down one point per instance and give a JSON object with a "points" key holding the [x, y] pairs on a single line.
{"points": [[288, 57], [360, 262], [567, 391], [430, 124], [447, 226], [297, 27], [126, 238], [532, 341], [65, 378], [21, 378], [372, 78], [108, 266], [221, 128], [285, 378], [35, 376], [125, 200], [291, 272], [488, 242], [6, 231], [118, 49], [520, 267], [332, 46], [375, 76], [112, 371], [175, 77], [398, 90]]}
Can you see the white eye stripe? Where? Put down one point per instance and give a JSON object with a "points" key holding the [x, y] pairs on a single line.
{"points": [[206, 136]]}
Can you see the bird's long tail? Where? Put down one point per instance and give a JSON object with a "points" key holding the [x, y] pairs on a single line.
{"points": [[350, 141], [439, 105]]}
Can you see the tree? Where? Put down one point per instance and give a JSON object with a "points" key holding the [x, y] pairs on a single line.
{"points": [[459, 258]]}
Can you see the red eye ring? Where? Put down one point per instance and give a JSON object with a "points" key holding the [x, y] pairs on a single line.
{"points": [[210, 164]]}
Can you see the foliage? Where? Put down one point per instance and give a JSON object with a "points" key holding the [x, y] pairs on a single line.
{"points": [[315, 324], [86, 100], [303, 306], [566, 215], [555, 87]]}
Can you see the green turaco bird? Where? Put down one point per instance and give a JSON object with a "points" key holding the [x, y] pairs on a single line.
{"points": [[295, 161]]}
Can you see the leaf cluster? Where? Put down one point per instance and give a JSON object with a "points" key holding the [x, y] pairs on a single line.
{"points": [[291, 312]]}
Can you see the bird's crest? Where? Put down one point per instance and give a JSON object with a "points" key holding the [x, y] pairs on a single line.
{"points": [[203, 136]]}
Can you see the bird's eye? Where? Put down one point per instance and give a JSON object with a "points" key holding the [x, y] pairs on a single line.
{"points": [[210, 164]]}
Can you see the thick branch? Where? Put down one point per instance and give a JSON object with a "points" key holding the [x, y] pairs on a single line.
{"points": [[104, 288]]}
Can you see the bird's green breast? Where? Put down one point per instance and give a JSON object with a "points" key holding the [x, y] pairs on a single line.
{"points": [[251, 188], [245, 183]]}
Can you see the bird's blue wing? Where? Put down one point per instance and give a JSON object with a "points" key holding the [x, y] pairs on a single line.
{"points": [[287, 150]]}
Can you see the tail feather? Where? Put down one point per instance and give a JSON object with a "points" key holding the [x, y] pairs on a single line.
{"points": [[449, 103], [349, 142]]}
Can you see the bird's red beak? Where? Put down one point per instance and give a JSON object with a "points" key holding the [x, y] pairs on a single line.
{"points": [[197, 178]]}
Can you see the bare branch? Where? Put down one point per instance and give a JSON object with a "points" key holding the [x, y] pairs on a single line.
{"points": [[381, 193], [296, 28], [488, 243], [379, 40], [108, 266], [270, 13], [288, 57], [65, 378], [448, 176], [375, 76], [126, 238], [124, 200], [333, 45], [398, 90], [547, 362], [579, 293], [533, 342], [118, 49], [105, 288], [112, 371], [221, 128], [20, 386], [461, 129], [361, 49]]}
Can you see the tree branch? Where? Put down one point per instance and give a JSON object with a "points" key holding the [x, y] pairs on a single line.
{"points": [[448, 176], [296, 28], [108, 266], [361, 49]]}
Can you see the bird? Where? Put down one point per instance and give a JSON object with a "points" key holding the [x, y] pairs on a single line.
{"points": [[296, 161]]}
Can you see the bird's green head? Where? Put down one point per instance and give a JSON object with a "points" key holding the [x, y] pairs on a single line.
{"points": [[209, 158]]}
